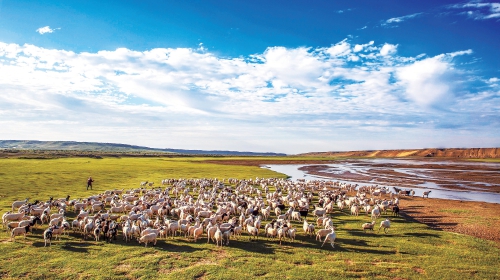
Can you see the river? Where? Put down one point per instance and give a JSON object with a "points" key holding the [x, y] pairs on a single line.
{"points": [[422, 178]]}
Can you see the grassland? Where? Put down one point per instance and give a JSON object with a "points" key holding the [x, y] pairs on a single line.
{"points": [[410, 250]]}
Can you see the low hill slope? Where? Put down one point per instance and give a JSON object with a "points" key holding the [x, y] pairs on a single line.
{"points": [[449, 153]]}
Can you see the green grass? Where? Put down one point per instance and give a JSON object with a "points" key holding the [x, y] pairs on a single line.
{"points": [[409, 251], [456, 211]]}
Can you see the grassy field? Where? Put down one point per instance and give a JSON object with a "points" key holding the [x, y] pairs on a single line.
{"points": [[409, 251]]}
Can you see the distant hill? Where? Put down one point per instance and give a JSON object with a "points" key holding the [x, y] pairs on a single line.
{"points": [[112, 147], [449, 153]]}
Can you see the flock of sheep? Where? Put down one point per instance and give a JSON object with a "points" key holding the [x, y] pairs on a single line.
{"points": [[196, 208]]}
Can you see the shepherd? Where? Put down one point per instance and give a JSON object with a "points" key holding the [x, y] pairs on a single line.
{"points": [[89, 183]]}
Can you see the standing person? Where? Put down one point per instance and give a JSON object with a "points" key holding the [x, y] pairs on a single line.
{"points": [[89, 183]]}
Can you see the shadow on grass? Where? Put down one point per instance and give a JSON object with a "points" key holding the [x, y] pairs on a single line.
{"points": [[418, 234]]}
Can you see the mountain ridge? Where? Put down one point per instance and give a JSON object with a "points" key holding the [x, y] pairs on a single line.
{"points": [[114, 147]]}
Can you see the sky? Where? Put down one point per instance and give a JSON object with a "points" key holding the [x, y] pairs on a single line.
{"points": [[261, 76]]}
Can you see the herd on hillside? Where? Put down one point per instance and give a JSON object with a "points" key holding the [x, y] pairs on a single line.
{"points": [[218, 210]]}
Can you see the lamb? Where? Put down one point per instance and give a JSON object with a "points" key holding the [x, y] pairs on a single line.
{"points": [[426, 193], [331, 238], [385, 224], [366, 226], [18, 231], [148, 238]]}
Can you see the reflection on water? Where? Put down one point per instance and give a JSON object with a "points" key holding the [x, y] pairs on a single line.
{"points": [[437, 191]]}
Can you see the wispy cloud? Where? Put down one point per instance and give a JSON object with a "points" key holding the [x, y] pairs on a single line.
{"points": [[479, 11], [400, 19], [344, 11], [46, 29], [194, 94]]}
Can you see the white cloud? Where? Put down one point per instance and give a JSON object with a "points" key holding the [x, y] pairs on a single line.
{"points": [[180, 93], [480, 11], [339, 49], [46, 29], [400, 19], [430, 81], [388, 49]]}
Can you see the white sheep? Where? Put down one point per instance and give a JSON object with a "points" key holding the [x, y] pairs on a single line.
{"points": [[218, 236], [355, 210], [12, 217], [323, 233], [148, 238], [375, 213], [17, 204], [385, 224], [296, 216], [331, 238], [308, 228], [291, 234], [226, 235], [198, 232], [252, 231], [366, 226], [19, 231]]}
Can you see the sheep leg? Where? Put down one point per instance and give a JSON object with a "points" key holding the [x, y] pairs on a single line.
{"points": [[326, 238]]}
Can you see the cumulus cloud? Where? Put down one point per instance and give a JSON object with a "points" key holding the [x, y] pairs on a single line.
{"points": [[430, 80], [388, 49], [174, 88], [46, 29]]}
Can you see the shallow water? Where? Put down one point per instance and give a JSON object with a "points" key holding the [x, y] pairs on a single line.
{"points": [[473, 194]]}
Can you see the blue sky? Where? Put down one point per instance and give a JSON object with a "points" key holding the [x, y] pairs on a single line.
{"points": [[280, 76]]}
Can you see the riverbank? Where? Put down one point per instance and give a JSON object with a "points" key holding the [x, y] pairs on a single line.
{"points": [[478, 219]]}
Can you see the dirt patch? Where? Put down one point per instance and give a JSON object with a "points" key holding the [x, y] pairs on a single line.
{"points": [[419, 270], [478, 219]]}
